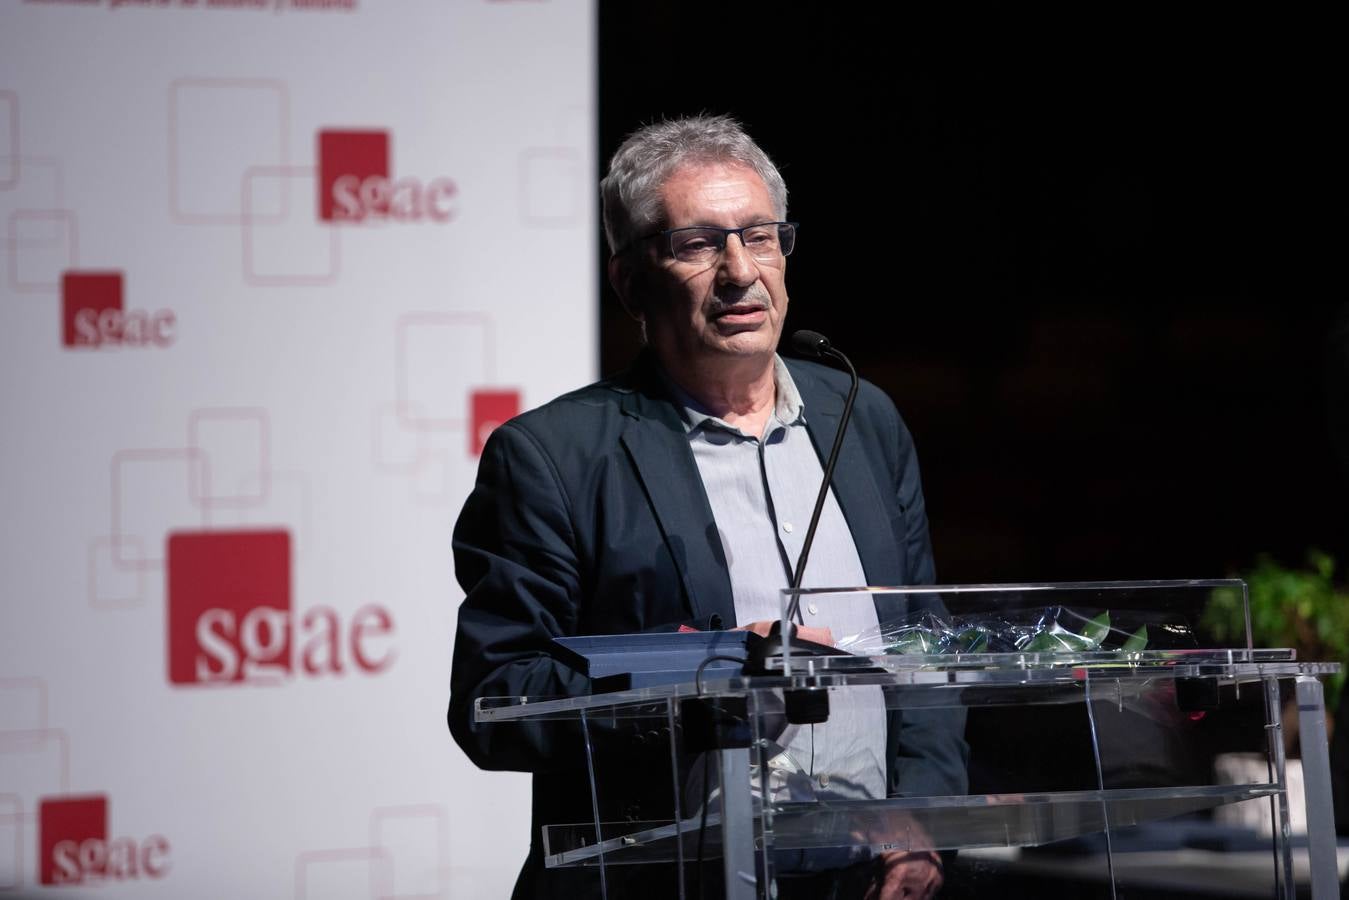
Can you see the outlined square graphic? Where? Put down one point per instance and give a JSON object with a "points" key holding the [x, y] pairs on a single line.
{"points": [[440, 358], [235, 445], [489, 407], [86, 299], [151, 496], [551, 186], [293, 250], [61, 819], [218, 128], [41, 244], [414, 839], [228, 595], [347, 158], [9, 140]]}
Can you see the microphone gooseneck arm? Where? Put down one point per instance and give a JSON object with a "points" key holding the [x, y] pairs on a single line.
{"points": [[812, 343], [809, 706]]}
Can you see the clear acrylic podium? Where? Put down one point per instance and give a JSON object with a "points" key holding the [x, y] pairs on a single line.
{"points": [[1092, 714]]}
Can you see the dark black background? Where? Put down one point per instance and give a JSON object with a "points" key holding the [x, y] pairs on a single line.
{"points": [[1086, 253]]}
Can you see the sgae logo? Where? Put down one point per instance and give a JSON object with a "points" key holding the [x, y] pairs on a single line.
{"points": [[356, 185], [230, 618], [93, 314], [74, 847]]}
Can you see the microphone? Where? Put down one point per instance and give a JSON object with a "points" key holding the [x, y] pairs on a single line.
{"points": [[810, 343], [807, 707]]}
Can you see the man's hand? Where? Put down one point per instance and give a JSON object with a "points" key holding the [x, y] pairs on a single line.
{"points": [[803, 632], [906, 876]]}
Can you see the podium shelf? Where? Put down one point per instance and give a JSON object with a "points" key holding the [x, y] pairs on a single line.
{"points": [[865, 827]]}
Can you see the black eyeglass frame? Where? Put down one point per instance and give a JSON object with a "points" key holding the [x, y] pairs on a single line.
{"points": [[669, 233]]}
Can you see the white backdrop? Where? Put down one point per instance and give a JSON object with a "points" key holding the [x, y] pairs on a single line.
{"points": [[240, 419]]}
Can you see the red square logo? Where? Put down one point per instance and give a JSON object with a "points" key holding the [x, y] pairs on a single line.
{"points": [[91, 307], [68, 829], [229, 606], [354, 179], [488, 409]]}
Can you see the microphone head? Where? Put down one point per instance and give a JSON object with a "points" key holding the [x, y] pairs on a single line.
{"points": [[810, 343]]}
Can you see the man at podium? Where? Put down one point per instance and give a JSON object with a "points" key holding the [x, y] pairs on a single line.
{"points": [[677, 496]]}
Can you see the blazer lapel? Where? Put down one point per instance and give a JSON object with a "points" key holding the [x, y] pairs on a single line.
{"points": [[855, 487], [657, 443]]}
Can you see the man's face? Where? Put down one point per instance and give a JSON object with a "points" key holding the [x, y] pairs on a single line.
{"points": [[731, 307]]}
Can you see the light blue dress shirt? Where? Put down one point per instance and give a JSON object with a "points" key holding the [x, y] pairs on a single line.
{"points": [[762, 491]]}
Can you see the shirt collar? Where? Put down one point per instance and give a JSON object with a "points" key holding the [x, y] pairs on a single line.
{"points": [[788, 407]]}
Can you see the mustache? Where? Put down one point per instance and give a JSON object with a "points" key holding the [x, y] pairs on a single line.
{"points": [[750, 297]]}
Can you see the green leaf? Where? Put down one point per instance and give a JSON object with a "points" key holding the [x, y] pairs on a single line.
{"points": [[915, 641], [1097, 629], [1058, 642], [1137, 641], [1041, 643], [1070, 642]]}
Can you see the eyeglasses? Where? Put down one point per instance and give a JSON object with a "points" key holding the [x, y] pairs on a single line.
{"points": [[765, 241]]}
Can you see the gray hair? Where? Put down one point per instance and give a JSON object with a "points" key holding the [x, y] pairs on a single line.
{"points": [[650, 155]]}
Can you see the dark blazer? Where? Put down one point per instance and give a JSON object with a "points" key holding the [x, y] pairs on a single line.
{"points": [[589, 517]]}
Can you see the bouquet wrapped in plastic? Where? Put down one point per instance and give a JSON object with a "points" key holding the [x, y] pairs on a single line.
{"points": [[1054, 629]]}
